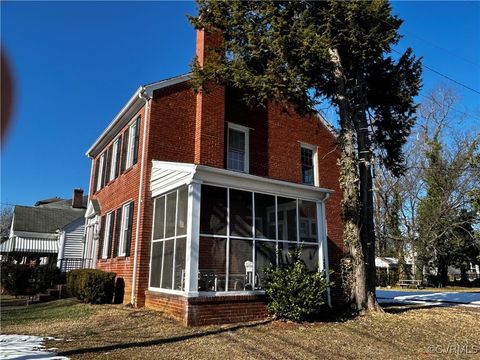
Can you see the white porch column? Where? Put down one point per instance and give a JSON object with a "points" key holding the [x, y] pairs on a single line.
{"points": [[322, 236], [193, 239]]}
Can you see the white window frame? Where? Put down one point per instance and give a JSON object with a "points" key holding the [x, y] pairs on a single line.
{"points": [[316, 180], [124, 229], [100, 172], [114, 163], [131, 143], [106, 235], [246, 131]]}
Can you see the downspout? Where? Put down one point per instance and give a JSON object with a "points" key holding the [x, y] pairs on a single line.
{"points": [[142, 95]]}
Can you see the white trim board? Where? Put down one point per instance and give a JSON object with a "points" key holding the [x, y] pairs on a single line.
{"points": [[167, 176]]}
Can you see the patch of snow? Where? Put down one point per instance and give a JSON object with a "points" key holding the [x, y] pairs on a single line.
{"points": [[432, 298], [23, 347]]}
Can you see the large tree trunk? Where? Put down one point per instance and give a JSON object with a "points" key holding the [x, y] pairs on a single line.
{"points": [[358, 267]]}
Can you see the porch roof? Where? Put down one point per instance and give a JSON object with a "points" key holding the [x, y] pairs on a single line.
{"points": [[167, 176]]}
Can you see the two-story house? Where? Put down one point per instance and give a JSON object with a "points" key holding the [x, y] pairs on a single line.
{"points": [[192, 195]]}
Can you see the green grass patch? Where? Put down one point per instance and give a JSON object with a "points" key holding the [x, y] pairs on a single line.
{"points": [[66, 309]]}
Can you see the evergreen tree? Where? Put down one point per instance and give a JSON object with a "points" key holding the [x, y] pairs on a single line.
{"points": [[300, 53]]}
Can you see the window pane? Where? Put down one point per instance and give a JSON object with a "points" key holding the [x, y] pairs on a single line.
{"points": [[170, 215], [167, 265], [241, 213], [265, 255], [236, 150], [156, 268], [307, 166], [265, 216], [212, 264], [213, 210], [310, 256], [159, 221], [180, 250], [307, 212], [241, 265], [182, 211], [287, 219]]}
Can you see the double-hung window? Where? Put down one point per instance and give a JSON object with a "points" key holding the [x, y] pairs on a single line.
{"points": [[132, 144], [99, 171], [125, 236], [114, 161], [107, 235], [308, 155], [237, 148]]}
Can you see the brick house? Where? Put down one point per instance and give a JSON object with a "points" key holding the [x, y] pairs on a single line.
{"points": [[193, 194]]}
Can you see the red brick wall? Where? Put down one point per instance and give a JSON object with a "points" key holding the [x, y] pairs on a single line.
{"points": [[208, 310], [119, 191]]}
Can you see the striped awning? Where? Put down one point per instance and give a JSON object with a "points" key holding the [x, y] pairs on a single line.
{"points": [[29, 242]]}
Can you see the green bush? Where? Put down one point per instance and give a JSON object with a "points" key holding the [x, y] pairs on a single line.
{"points": [[382, 279], [16, 279], [91, 286], [293, 292], [45, 277]]}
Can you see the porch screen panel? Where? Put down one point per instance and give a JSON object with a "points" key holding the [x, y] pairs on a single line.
{"points": [[159, 222], [265, 216], [265, 256], [213, 210], [307, 213], [241, 213], [241, 265], [167, 269], [180, 251], [167, 264], [287, 219], [212, 263], [156, 270]]}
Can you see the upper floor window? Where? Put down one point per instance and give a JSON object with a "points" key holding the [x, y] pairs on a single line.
{"points": [[115, 160], [309, 167], [237, 148], [130, 145], [99, 172]]}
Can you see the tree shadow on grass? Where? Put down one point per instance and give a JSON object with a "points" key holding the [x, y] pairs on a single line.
{"points": [[397, 308], [154, 342]]}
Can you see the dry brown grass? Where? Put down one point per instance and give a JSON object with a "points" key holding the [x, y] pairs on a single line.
{"points": [[117, 332]]}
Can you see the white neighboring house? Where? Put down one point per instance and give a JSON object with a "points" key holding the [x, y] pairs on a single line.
{"points": [[51, 231]]}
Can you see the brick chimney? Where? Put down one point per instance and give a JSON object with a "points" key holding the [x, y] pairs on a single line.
{"points": [[77, 200], [210, 109]]}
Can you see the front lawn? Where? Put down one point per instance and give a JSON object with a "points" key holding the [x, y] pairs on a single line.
{"points": [[118, 332]]}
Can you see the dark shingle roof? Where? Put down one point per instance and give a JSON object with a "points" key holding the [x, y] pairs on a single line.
{"points": [[44, 219]]}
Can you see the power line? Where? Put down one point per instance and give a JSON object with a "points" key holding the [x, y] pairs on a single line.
{"points": [[443, 75], [430, 97], [451, 53]]}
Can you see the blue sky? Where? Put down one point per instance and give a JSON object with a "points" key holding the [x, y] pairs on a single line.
{"points": [[75, 64]]}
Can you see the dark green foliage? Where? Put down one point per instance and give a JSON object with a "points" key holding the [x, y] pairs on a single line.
{"points": [[91, 286], [22, 279], [387, 280], [46, 276], [293, 292], [16, 278], [280, 51]]}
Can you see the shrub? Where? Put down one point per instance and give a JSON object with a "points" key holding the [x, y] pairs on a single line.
{"points": [[384, 279], [16, 279], [45, 276], [293, 292], [91, 286]]}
